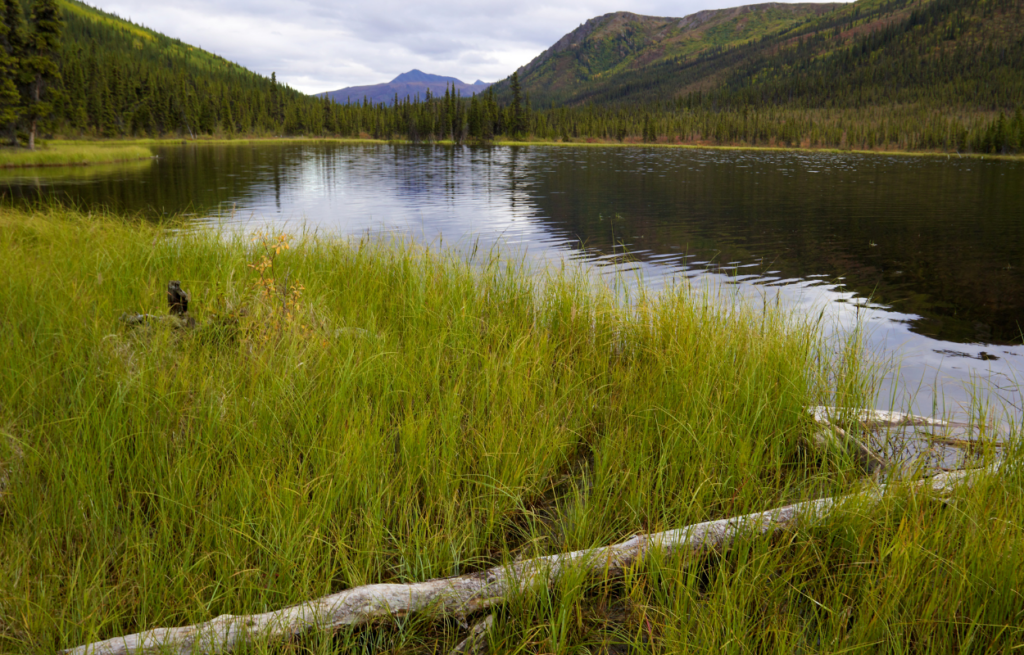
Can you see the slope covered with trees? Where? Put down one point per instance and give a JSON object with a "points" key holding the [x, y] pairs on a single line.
{"points": [[962, 53], [114, 78], [617, 45], [909, 74], [123, 79], [912, 74]]}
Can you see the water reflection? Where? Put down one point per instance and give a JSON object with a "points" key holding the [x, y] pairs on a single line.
{"points": [[928, 252]]}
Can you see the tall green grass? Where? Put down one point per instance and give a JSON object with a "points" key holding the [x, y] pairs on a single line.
{"points": [[348, 413], [72, 155]]}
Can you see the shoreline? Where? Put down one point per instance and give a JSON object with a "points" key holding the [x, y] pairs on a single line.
{"points": [[60, 154], [104, 162], [555, 144]]}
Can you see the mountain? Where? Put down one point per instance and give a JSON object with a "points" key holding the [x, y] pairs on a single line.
{"points": [[621, 43], [959, 53], [411, 85]]}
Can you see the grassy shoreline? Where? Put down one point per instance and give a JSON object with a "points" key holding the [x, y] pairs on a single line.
{"points": [[592, 143], [354, 412], [73, 154]]}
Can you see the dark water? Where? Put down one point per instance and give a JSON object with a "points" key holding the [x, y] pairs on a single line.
{"points": [[929, 252]]}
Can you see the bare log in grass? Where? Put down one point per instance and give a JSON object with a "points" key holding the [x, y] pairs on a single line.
{"points": [[465, 595], [871, 420], [829, 435]]}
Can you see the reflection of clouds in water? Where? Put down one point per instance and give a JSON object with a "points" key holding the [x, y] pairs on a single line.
{"points": [[505, 197], [471, 195]]}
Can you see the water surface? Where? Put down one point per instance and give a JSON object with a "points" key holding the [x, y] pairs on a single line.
{"points": [[927, 252]]}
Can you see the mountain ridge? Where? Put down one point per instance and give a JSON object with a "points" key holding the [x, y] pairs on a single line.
{"points": [[690, 24], [409, 85]]}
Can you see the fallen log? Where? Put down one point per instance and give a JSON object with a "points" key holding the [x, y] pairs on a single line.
{"points": [[831, 435], [465, 595], [878, 417]]}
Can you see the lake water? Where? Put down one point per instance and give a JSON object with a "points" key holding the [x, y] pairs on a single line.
{"points": [[927, 252]]}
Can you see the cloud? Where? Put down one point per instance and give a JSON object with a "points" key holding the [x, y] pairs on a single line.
{"points": [[322, 45]]}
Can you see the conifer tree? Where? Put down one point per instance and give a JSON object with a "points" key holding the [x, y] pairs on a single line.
{"points": [[39, 64], [12, 45], [10, 99], [517, 115]]}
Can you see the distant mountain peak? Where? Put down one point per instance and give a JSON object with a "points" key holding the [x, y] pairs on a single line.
{"points": [[416, 75], [414, 84]]}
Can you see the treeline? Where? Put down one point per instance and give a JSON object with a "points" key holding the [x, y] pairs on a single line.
{"points": [[893, 127], [484, 118]]}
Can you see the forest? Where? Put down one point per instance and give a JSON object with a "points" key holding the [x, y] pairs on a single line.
{"points": [[825, 83]]}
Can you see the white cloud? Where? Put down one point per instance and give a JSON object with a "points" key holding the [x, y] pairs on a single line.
{"points": [[320, 45]]}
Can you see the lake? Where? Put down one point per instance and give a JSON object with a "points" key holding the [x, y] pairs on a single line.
{"points": [[928, 252]]}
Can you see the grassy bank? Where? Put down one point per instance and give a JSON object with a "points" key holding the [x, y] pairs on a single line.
{"points": [[58, 174], [637, 143], [575, 143], [73, 154], [210, 140], [352, 413]]}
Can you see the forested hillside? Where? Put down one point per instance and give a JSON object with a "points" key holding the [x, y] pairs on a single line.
{"points": [[945, 53], [123, 79], [943, 75], [617, 45], [908, 74]]}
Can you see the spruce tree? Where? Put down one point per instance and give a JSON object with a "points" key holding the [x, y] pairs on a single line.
{"points": [[40, 65], [10, 99], [12, 50], [517, 118]]}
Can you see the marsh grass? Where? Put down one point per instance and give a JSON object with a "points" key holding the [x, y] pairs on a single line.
{"points": [[70, 154], [348, 413], [534, 142]]}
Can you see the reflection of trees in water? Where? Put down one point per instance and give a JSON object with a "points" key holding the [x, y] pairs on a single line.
{"points": [[942, 240], [913, 235], [185, 179]]}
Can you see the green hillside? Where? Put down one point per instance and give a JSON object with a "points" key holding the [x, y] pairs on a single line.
{"points": [[944, 53], [122, 79], [619, 44], [85, 24]]}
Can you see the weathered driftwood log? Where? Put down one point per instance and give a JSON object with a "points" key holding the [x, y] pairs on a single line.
{"points": [[831, 435], [464, 595]]}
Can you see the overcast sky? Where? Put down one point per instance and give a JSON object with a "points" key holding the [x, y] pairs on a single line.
{"points": [[323, 45]]}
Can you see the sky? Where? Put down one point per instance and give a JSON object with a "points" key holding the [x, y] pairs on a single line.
{"points": [[324, 45]]}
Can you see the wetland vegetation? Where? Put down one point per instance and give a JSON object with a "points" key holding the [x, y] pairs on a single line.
{"points": [[73, 154], [349, 412], [334, 411]]}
